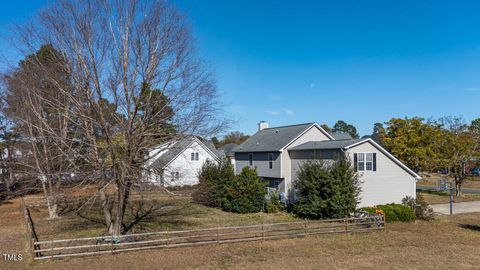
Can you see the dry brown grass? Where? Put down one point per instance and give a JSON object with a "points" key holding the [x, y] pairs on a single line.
{"points": [[434, 197], [445, 243], [432, 180]]}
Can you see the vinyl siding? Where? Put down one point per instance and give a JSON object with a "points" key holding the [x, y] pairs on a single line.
{"points": [[260, 161], [187, 169], [300, 157], [389, 184], [313, 134]]}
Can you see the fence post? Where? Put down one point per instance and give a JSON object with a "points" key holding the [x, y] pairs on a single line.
{"points": [[51, 249], [29, 231], [384, 222], [346, 225], [168, 240], [306, 228], [111, 246], [263, 229], [218, 231]]}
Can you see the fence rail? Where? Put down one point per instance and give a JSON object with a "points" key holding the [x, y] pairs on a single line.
{"points": [[214, 235]]}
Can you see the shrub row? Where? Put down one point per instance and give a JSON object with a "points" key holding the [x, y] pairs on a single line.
{"points": [[393, 212]]}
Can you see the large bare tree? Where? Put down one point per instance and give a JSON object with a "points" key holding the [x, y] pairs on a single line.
{"points": [[134, 77]]}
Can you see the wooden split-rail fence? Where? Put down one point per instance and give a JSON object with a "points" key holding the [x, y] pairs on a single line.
{"points": [[52, 249]]}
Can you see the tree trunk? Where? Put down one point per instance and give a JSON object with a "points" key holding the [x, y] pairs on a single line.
{"points": [[107, 211], [52, 208], [458, 189]]}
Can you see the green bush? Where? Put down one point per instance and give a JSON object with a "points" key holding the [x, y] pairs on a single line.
{"points": [[326, 190], [273, 204], [393, 212], [419, 207], [246, 194], [215, 179]]}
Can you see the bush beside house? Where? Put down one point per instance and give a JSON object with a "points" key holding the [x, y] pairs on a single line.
{"points": [[326, 190], [246, 194], [214, 181], [419, 207], [219, 187]]}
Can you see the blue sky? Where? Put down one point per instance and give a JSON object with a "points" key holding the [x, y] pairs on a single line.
{"points": [[363, 62]]}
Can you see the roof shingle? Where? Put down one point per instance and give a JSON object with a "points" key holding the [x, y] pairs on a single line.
{"points": [[326, 144], [272, 139]]}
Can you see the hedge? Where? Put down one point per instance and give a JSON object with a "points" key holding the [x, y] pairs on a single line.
{"points": [[393, 212]]}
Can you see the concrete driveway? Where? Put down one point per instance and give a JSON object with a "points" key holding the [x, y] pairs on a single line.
{"points": [[458, 208]]}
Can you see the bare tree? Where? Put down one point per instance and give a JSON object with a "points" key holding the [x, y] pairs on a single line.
{"points": [[122, 58], [42, 116]]}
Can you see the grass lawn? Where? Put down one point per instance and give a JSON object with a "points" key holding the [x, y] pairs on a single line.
{"points": [[437, 197], [176, 214], [432, 180], [444, 243]]}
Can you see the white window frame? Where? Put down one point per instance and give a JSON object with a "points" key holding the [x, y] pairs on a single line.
{"points": [[192, 156], [363, 161], [270, 161], [196, 156]]}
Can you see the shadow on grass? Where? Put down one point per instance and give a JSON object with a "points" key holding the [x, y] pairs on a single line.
{"points": [[434, 192], [470, 227]]}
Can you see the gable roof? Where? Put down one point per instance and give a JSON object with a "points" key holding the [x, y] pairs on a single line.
{"points": [[175, 149], [341, 136], [323, 145], [348, 144], [228, 149], [275, 138]]}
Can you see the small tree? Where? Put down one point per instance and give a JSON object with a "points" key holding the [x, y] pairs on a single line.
{"points": [[246, 194], [326, 190], [214, 180]]}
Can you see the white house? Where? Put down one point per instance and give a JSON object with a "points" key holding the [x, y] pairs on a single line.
{"points": [[278, 153], [177, 163]]}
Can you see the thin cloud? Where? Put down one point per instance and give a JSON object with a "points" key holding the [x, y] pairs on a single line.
{"points": [[274, 113], [288, 112], [312, 85]]}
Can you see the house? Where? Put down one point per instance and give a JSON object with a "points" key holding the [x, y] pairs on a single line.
{"points": [[177, 163], [228, 151], [278, 153]]}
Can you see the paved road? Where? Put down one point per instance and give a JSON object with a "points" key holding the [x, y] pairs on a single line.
{"points": [[458, 208], [464, 190]]}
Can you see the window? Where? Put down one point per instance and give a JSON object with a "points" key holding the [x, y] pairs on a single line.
{"points": [[365, 161], [270, 161], [361, 161], [273, 183], [194, 156], [250, 159], [369, 161]]}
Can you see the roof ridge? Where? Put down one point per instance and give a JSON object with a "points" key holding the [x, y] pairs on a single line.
{"points": [[294, 125]]}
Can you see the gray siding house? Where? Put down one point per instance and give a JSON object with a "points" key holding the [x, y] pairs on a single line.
{"points": [[278, 153]]}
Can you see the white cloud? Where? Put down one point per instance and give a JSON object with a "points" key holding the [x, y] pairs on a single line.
{"points": [[288, 112], [274, 113]]}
